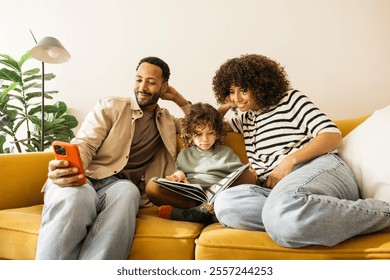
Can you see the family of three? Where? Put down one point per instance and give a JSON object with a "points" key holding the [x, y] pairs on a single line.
{"points": [[297, 190]]}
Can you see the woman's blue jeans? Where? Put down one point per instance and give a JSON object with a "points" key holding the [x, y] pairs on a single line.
{"points": [[318, 203], [89, 221]]}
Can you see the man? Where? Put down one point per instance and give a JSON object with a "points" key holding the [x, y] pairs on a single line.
{"points": [[122, 143]]}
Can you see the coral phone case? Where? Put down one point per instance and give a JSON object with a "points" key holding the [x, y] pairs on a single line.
{"points": [[70, 152]]}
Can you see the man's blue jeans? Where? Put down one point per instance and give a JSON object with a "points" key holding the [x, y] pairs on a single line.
{"points": [[318, 203], [89, 221]]}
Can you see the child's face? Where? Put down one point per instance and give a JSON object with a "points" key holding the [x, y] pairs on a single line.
{"points": [[204, 137], [243, 99]]}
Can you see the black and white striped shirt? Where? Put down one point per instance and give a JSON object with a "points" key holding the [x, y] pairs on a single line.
{"points": [[271, 136]]}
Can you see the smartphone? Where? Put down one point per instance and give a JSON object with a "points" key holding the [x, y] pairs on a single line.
{"points": [[69, 152]]}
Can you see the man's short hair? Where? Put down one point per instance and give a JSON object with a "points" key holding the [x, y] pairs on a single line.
{"points": [[158, 62]]}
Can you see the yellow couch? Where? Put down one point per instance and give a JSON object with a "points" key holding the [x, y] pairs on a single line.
{"points": [[22, 176]]}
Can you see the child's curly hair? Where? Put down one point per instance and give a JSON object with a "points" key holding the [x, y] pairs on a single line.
{"points": [[266, 79], [202, 114]]}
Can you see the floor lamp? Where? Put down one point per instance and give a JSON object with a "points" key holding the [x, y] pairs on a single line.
{"points": [[47, 50]]}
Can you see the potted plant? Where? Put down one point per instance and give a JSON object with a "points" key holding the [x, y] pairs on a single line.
{"points": [[20, 109]]}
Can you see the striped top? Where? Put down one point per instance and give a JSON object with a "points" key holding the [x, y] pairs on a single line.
{"points": [[271, 136]]}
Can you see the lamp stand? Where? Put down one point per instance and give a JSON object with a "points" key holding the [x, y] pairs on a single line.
{"points": [[48, 50], [43, 109]]}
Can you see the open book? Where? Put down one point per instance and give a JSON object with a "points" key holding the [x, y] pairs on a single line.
{"points": [[195, 191]]}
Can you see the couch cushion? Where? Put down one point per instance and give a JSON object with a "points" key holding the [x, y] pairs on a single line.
{"points": [[220, 243], [22, 177], [366, 151], [155, 238], [19, 232], [162, 239]]}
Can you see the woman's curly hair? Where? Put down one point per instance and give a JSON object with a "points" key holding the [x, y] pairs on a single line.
{"points": [[202, 114], [266, 79]]}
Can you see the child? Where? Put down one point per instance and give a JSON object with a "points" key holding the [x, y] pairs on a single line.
{"points": [[203, 161]]}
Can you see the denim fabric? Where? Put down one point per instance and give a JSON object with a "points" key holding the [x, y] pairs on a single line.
{"points": [[317, 204], [92, 221]]}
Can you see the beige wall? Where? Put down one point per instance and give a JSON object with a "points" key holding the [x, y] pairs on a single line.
{"points": [[335, 51]]}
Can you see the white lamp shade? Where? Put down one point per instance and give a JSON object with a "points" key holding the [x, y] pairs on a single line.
{"points": [[50, 50]]}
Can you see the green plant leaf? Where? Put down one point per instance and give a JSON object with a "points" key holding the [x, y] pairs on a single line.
{"points": [[31, 72], [24, 58], [35, 120], [10, 75], [31, 85], [10, 88], [62, 108], [18, 124], [20, 105], [51, 92], [7, 57], [32, 78], [12, 114], [6, 130], [2, 142], [11, 64], [71, 121], [32, 95], [49, 76], [35, 109], [4, 96]]}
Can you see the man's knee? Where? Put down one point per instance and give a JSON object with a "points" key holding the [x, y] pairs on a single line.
{"points": [[76, 196], [124, 191]]}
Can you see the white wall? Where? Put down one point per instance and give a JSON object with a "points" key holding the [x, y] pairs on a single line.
{"points": [[335, 51]]}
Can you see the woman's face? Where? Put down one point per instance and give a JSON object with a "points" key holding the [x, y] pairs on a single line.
{"points": [[244, 100]]}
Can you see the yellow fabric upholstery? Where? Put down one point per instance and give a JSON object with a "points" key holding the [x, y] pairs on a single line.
{"points": [[220, 243], [163, 239], [22, 177], [19, 232], [347, 125]]}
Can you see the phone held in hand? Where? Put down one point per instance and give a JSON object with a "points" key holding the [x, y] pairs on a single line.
{"points": [[69, 152]]}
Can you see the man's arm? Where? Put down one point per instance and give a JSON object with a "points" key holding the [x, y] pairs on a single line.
{"points": [[173, 95]]}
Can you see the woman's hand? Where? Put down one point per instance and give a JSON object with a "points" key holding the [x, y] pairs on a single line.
{"points": [[285, 167], [324, 143]]}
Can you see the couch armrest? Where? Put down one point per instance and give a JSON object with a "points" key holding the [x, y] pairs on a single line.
{"points": [[22, 177]]}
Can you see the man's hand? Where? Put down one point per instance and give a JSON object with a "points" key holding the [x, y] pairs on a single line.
{"points": [[173, 95], [62, 175]]}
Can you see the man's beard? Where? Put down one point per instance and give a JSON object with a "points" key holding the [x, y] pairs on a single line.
{"points": [[144, 103]]}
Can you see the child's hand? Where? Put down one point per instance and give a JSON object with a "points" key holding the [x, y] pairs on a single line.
{"points": [[178, 176]]}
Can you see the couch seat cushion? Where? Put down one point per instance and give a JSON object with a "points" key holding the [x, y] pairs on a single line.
{"points": [[155, 238], [159, 239], [220, 243], [19, 229]]}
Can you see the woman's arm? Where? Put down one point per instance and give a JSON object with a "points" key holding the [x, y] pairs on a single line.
{"points": [[323, 143], [223, 109]]}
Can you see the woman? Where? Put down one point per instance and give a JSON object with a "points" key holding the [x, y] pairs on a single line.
{"points": [[305, 194]]}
